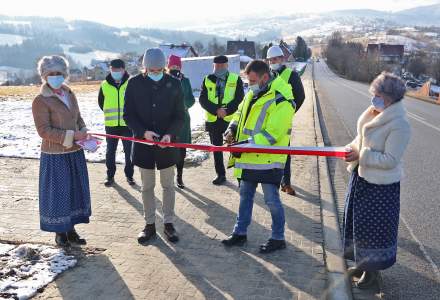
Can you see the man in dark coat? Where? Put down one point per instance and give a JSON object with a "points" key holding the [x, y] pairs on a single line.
{"points": [[154, 110]]}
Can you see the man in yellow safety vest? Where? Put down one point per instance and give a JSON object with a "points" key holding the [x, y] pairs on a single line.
{"points": [[221, 94], [111, 102], [264, 118], [276, 60]]}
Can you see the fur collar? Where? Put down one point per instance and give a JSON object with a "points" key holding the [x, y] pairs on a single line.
{"points": [[46, 91]]}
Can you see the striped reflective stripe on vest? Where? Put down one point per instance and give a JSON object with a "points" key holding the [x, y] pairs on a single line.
{"points": [[248, 166], [107, 111], [111, 118], [263, 113], [248, 131], [268, 137]]}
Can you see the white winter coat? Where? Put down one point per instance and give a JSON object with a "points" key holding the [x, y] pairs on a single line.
{"points": [[381, 141]]}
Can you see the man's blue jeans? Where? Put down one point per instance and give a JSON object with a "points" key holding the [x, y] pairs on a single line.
{"points": [[272, 200]]}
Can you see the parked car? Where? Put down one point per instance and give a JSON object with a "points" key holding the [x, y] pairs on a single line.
{"points": [[411, 84]]}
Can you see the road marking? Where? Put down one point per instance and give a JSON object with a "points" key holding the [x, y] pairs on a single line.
{"points": [[422, 248], [416, 116], [410, 114]]}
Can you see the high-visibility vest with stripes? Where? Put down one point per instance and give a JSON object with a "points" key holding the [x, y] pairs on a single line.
{"points": [[286, 74], [268, 123], [229, 94], [113, 104]]}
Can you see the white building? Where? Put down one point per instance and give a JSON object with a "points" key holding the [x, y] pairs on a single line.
{"points": [[196, 68]]}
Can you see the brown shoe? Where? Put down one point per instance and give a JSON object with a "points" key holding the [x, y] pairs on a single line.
{"points": [[146, 234], [170, 232], [287, 188]]}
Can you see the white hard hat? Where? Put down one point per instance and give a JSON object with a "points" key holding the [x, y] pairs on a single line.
{"points": [[274, 51]]}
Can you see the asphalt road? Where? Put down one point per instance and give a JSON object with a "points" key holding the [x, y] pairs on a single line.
{"points": [[416, 274]]}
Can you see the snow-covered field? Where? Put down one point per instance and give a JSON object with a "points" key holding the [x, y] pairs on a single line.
{"points": [[18, 137], [85, 59], [11, 39], [27, 268]]}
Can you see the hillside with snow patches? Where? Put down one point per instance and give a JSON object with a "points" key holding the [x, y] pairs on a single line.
{"points": [[98, 41]]}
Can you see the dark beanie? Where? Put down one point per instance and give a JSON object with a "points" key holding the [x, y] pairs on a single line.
{"points": [[221, 59], [117, 63]]}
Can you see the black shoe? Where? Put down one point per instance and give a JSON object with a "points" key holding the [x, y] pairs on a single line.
{"points": [[131, 181], [179, 182], [272, 245], [170, 232], [354, 272], [146, 234], [235, 240], [367, 280], [61, 239], [219, 180], [109, 181], [74, 238]]}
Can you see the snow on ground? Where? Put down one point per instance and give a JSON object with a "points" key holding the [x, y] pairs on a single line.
{"points": [[11, 39], [18, 137], [27, 268], [85, 59]]}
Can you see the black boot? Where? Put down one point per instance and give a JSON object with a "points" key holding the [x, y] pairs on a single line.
{"points": [[367, 280], [146, 234], [109, 181], [272, 245], [131, 181], [61, 239], [179, 181], [235, 240], [170, 232], [354, 272], [74, 238], [219, 180]]}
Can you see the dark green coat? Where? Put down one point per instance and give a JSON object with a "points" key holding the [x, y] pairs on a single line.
{"points": [[188, 98]]}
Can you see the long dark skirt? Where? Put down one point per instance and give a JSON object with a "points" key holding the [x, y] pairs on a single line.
{"points": [[64, 191], [371, 223]]}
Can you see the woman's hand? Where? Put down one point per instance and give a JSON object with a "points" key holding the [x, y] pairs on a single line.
{"points": [[80, 135], [352, 155]]}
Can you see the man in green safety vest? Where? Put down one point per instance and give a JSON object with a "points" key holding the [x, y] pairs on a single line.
{"points": [[275, 57], [221, 94], [264, 118], [111, 102]]}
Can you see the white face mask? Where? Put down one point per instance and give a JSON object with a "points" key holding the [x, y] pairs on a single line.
{"points": [[255, 88], [275, 67]]}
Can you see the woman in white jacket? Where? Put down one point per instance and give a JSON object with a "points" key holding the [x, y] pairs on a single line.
{"points": [[373, 198]]}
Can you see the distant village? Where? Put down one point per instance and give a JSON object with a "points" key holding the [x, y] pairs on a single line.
{"points": [[397, 57]]}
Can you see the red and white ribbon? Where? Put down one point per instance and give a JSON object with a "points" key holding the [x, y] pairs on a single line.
{"points": [[242, 148]]}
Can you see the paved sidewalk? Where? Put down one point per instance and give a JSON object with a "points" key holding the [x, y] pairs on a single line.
{"points": [[198, 267]]}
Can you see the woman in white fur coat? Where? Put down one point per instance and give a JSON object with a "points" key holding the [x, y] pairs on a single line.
{"points": [[373, 198]]}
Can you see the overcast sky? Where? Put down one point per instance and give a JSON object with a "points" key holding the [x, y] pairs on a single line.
{"points": [[153, 13]]}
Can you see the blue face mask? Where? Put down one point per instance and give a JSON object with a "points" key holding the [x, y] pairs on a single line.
{"points": [[378, 103], [221, 72], [117, 76], [155, 77], [55, 81]]}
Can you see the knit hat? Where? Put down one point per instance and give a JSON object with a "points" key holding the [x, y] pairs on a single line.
{"points": [[221, 59], [174, 60], [117, 63], [53, 63], [154, 58]]}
